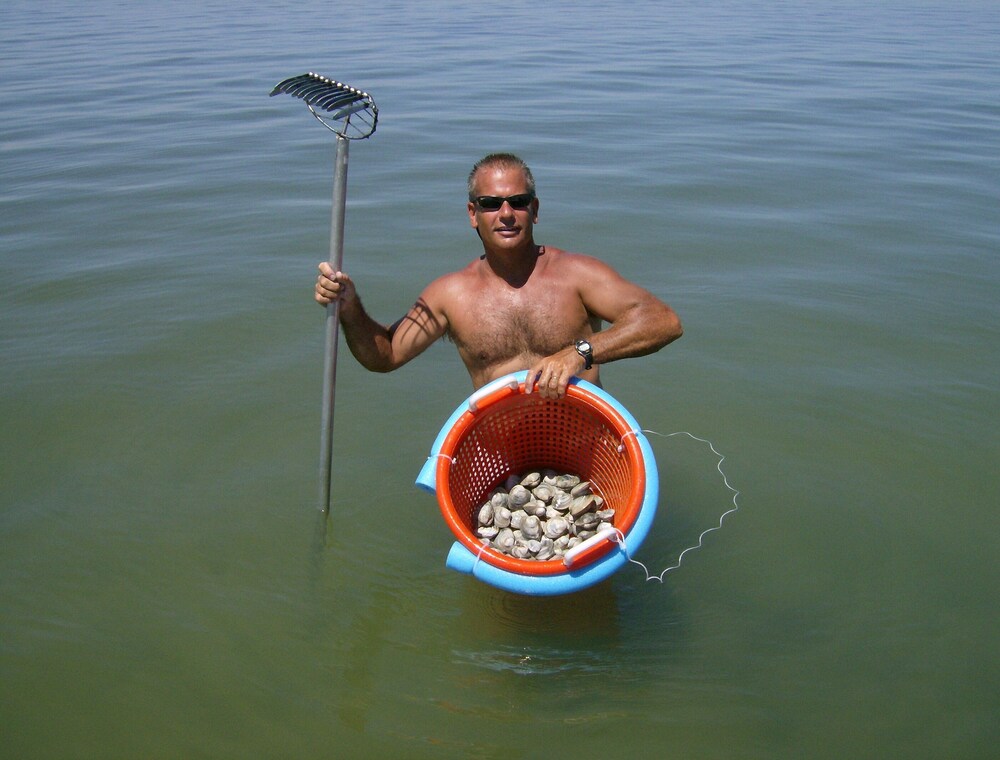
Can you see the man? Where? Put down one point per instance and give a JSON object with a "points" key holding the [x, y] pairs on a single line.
{"points": [[518, 306]]}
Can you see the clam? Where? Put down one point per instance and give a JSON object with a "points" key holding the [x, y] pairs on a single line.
{"points": [[544, 493], [561, 501], [582, 504], [546, 549], [566, 482], [519, 496], [504, 540], [556, 527], [531, 527], [520, 551], [531, 480], [486, 514], [501, 517]]}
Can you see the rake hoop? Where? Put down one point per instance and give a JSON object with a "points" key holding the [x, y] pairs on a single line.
{"points": [[349, 112]]}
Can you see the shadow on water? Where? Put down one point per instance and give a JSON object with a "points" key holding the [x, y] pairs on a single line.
{"points": [[583, 632]]}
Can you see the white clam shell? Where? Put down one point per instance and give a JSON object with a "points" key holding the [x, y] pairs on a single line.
{"points": [[519, 496], [531, 527], [531, 480], [501, 517], [556, 527], [504, 540], [486, 514]]}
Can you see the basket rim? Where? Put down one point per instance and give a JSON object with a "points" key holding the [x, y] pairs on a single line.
{"points": [[575, 394]]}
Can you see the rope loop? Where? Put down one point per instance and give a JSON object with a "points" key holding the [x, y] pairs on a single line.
{"points": [[620, 538]]}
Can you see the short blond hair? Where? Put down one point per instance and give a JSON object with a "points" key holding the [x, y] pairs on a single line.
{"points": [[501, 161]]}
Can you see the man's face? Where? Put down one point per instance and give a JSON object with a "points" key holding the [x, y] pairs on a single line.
{"points": [[506, 227]]}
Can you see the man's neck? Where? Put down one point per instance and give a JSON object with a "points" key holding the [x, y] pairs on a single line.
{"points": [[514, 266]]}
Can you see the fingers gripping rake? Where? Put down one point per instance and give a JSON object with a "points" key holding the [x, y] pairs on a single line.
{"points": [[350, 114]]}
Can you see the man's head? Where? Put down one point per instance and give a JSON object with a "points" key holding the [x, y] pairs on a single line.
{"points": [[502, 204]]}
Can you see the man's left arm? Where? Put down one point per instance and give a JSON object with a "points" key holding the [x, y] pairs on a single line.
{"points": [[639, 324]]}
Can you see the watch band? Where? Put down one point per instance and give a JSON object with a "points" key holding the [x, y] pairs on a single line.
{"points": [[585, 350]]}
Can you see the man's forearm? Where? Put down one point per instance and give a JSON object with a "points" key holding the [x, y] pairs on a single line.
{"points": [[642, 330], [369, 341]]}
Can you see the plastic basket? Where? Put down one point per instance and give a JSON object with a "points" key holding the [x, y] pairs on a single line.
{"points": [[502, 430]]}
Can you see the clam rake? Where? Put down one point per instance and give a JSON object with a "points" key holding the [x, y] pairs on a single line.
{"points": [[351, 114]]}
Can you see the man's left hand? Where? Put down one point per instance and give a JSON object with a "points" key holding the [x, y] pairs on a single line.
{"points": [[551, 375]]}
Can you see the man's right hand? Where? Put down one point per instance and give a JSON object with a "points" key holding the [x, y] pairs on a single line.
{"points": [[332, 286]]}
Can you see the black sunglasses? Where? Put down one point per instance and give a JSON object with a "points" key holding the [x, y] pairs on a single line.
{"points": [[493, 202]]}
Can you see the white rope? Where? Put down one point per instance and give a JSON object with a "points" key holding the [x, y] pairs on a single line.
{"points": [[479, 554], [620, 537]]}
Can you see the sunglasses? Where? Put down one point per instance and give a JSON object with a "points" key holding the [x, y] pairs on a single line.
{"points": [[493, 202]]}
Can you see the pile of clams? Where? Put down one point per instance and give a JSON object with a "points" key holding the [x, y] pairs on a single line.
{"points": [[541, 515]]}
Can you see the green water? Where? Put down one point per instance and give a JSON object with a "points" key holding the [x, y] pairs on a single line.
{"points": [[811, 186]]}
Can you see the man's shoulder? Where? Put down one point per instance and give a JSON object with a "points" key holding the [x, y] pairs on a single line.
{"points": [[452, 282], [563, 259], [470, 270]]}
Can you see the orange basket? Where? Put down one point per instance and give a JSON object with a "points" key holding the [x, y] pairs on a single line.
{"points": [[508, 432]]}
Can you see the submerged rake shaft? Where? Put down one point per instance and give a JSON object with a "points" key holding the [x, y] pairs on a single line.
{"points": [[351, 115]]}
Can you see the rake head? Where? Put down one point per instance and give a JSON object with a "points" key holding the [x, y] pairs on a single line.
{"points": [[349, 112]]}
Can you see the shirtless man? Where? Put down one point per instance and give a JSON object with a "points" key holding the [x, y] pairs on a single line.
{"points": [[518, 306]]}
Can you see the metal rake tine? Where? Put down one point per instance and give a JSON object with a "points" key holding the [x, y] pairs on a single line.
{"points": [[330, 101], [348, 111], [286, 85], [307, 90], [314, 90]]}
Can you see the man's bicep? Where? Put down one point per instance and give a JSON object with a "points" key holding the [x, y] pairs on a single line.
{"points": [[416, 330], [608, 295]]}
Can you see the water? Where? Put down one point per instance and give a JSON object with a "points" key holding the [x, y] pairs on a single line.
{"points": [[812, 186]]}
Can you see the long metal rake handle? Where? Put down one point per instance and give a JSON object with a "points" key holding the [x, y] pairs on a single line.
{"points": [[341, 101]]}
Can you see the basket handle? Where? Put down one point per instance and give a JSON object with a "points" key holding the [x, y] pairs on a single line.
{"points": [[587, 548], [505, 384]]}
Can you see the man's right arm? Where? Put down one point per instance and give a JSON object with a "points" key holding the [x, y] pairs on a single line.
{"points": [[377, 347]]}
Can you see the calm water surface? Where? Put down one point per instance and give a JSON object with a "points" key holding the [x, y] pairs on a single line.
{"points": [[813, 186]]}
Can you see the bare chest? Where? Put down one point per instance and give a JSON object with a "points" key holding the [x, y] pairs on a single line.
{"points": [[503, 325]]}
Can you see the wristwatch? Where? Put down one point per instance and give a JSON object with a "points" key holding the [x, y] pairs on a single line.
{"points": [[585, 350]]}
